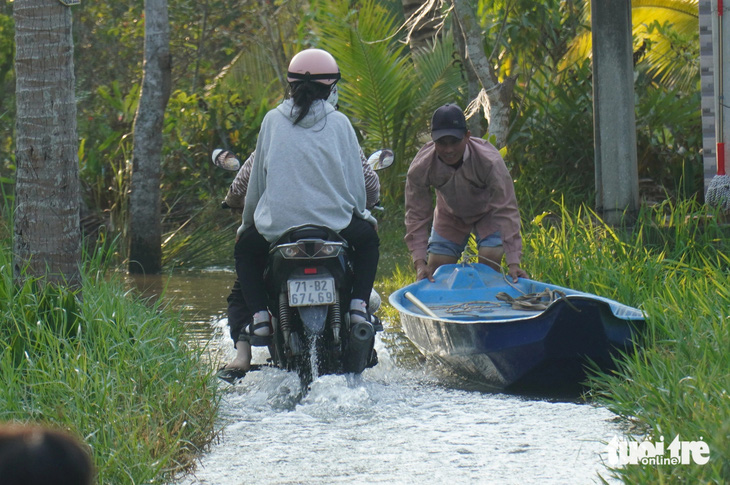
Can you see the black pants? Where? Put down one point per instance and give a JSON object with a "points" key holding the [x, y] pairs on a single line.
{"points": [[248, 295], [238, 314]]}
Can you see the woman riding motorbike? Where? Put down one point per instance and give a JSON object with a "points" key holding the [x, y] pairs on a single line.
{"points": [[306, 170], [238, 314]]}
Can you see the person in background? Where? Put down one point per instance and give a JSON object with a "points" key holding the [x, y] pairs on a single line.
{"points": [[474, 194], [36, 455], [304, 135]]}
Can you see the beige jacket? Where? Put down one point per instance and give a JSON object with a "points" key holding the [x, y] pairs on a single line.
{"points": [[479, 195]]}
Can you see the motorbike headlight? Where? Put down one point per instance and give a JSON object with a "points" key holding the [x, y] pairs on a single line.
{"points": [[328, 249]]}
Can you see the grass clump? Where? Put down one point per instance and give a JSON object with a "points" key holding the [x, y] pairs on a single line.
{"points": [[679, 384], [673, 264], [116, 371]]}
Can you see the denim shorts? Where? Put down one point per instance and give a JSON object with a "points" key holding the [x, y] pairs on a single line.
{"points": [[440, 245]]}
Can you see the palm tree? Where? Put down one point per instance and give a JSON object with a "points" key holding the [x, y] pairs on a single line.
{"points": [[388, 91], [47, 234], [145, 251]]}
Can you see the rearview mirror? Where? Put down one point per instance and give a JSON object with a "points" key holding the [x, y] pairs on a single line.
{"points": [[226, 160], [381, 159]]}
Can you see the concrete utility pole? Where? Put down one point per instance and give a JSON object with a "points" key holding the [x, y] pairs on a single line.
{"points": [[707, 88], [614, 119], [721, 42]]}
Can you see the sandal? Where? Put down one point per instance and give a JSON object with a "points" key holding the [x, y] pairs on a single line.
{"points": [[260, 340], [372, 319], [231, 374]]}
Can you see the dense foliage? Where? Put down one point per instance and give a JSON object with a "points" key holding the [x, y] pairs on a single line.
{"points": [[229, 57]]}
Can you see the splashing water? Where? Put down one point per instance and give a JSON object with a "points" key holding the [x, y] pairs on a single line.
{"points": [[392, 425], [313, 359]]}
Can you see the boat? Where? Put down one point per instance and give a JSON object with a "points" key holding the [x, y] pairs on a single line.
{"points": [[527, 336]]}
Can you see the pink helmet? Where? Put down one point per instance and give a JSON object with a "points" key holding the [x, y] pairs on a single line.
{"points": [[313, 65]]}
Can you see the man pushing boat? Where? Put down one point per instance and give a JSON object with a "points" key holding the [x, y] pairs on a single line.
{"points": [[474, 193]]}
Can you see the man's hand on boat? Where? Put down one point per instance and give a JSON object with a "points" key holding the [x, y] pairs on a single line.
{"points": [[423, 270], [516, 272]]}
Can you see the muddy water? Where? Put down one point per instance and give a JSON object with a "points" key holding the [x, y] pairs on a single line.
{"points": [[394, 424], [199, 295]]}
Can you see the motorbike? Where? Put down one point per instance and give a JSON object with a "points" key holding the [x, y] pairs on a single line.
{"points": [[308, 278]]}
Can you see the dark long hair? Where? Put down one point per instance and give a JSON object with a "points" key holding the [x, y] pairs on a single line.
{"points": [[35, 455], [304, 93]]}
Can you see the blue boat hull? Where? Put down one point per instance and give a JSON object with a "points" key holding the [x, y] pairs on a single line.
{"points": [[509, 349]]}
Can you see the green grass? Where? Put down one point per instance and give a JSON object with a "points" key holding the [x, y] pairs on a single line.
{"points": [[674, 265], [116, 371]]}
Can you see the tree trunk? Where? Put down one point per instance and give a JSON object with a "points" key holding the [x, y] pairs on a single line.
{"points": [[498, 95], [276, 48], [145, 251], [47, 235], [473, 88]]}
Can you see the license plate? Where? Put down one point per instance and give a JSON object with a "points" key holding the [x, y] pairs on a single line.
{"points": [[311, 291]]}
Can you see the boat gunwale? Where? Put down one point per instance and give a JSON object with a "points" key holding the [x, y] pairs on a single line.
{"points": [[529, 315], [397, 299]]}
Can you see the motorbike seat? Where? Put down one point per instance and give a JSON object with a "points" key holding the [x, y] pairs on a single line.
{"points": [[309, 233]]}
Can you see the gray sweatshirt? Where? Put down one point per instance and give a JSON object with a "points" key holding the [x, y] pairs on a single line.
{"points": [[308, 173], [237, 191]]}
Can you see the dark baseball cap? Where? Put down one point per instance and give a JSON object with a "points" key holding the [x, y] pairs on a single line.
{"points": [[448, 120]]}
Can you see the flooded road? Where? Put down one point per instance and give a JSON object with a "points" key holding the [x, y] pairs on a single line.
{"points": [[391, 425]]}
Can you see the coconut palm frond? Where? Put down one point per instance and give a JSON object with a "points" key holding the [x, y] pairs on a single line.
{"points": [[680, 9], [579, 50], [580, 47], [385, 78], [667, 7], [437, 66], [376, 73], [669, 42], [441, 78]]}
